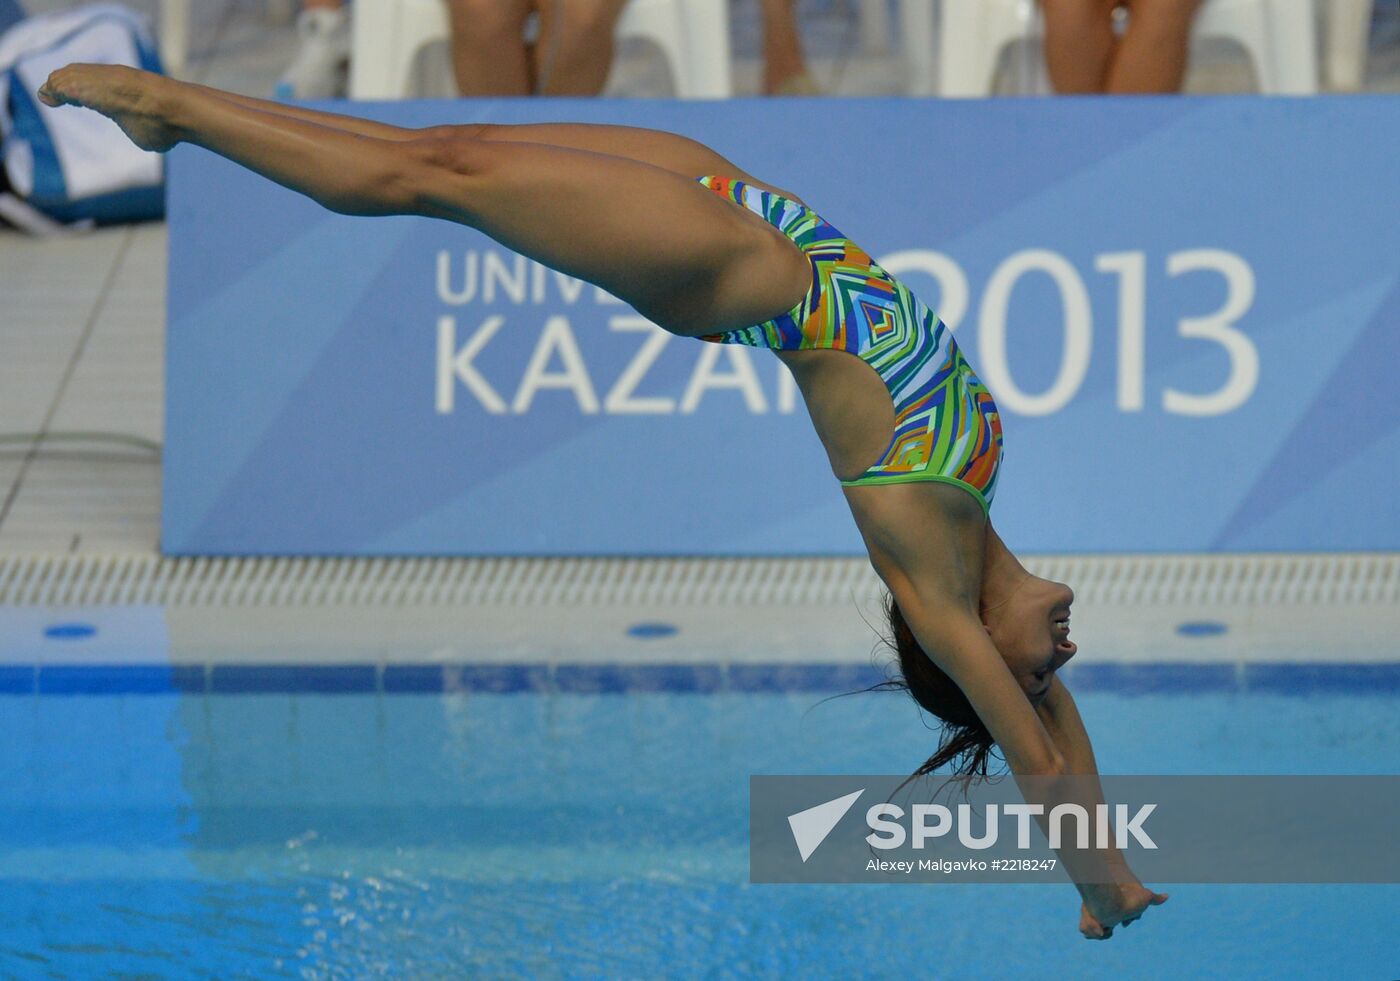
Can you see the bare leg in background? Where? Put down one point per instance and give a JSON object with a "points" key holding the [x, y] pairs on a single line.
{"points": [[488, 47], [572, 56], [1084, 55], [575, 51], [784, 68]]}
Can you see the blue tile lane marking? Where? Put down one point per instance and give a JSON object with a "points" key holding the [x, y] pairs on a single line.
{"points": [[1201, 628], [69, 631], [1313, 679], [1142, 679], [498, 678], [803, 677], [610, 678], [486, 678], [1184, 678], [326, 679], [411, 678], [17, 679], [646, 631], [120, 679]]}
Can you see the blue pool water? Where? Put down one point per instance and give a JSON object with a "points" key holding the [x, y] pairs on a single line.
{"points": [[525, 834]]}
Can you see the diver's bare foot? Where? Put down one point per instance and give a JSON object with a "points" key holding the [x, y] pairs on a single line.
{"points": [[133, 99]]}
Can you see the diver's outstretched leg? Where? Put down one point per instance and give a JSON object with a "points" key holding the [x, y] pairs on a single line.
{"points": [[683, 257], [669, 151]]}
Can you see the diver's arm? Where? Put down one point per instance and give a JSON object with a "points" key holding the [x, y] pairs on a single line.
{"points": [[1062, 721], [926, 541], [955, 638]]}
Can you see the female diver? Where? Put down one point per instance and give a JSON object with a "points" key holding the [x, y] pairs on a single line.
{"points": [[704, 250]]}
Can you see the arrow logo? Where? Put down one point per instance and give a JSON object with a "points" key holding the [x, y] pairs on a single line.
{"points": [[810, 827]]}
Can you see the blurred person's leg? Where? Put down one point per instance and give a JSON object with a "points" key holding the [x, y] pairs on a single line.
{"points": [[1080, 44], [488, 47], [784, 68], [319, 69], [574, 52], [1151, 57]]}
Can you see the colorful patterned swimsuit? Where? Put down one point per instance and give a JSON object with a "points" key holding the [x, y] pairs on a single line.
{"points": [[947, 427]]}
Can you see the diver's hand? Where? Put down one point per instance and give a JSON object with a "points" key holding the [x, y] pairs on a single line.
{"points": [[1109, 906]]}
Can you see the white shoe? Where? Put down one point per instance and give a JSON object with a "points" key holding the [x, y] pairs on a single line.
{"points": [[321, 67]]}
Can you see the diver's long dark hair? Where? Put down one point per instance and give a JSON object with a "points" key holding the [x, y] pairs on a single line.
{"points": [[965, 741]]}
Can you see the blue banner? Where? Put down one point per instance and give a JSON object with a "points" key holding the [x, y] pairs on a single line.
{"points": [[1187, 309]]}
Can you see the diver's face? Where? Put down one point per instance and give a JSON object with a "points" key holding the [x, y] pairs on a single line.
{"points": [[1032, 634]]}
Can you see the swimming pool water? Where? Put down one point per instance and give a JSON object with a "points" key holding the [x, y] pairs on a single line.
{"points": [[569, 835]]}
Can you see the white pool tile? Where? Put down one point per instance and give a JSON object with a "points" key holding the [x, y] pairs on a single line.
{"points": [[50, 290], [89, 500], [117, 382]]}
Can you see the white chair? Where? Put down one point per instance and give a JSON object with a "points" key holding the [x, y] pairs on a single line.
{"points": [[1279, 35], [971, 39], [173, 34], [173, 29], [873, 20], [1348, 41], [693, 35], [917, 27]]}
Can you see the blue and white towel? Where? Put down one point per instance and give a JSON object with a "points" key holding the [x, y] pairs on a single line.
{"points": [[75, 166]]}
